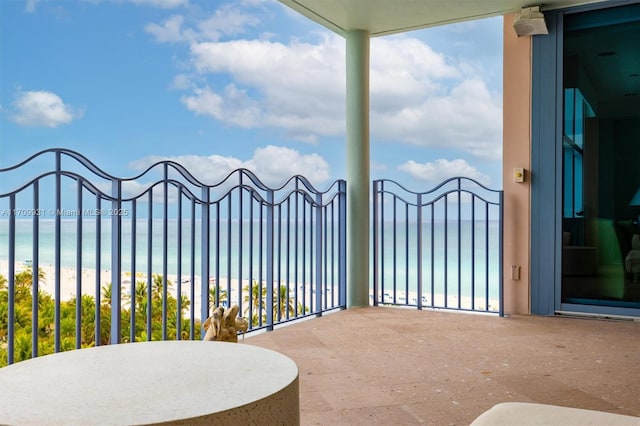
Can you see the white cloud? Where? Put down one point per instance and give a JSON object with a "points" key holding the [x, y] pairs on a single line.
{"points": [[181, 82], [170, 30], [30, 6], [441, 169], [297, 87], [275, 164], [227, 20], [232, 106], [418, 96], [209, 170], [204, 102], [164, 4], [272, 164], [467, 118], [404, 72], [42, 109]]}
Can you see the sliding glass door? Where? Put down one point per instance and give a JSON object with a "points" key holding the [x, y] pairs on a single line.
{"points": [[600, 148]]}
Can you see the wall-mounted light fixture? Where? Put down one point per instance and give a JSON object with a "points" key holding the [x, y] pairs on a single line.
{"points": [[530, 21]]}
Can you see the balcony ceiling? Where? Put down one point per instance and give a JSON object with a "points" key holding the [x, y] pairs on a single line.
{"points": [[382, 17]]}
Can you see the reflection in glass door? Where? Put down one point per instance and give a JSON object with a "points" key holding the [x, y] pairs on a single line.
{"points": [[601, 158]]}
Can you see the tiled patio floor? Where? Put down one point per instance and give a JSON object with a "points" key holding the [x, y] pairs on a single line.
{"points": [[400, 366]]}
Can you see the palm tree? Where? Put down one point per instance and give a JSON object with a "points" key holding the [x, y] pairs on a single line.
{"points": [[255, 302], [106, 295], [212, 296], [156, 285], [22, 347], [185, 303], [25, 277], [140, 311], [107, 291], [141, 292], [88, 320], [23, 281], [68, 324], [283, 305], [4, 316], [302, 309], [46, 308]]}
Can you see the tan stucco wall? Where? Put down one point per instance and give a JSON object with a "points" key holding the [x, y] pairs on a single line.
{"points": [[516, 153]]}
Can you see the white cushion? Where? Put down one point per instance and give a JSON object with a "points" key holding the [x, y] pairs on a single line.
{"points": [[527, 414]]}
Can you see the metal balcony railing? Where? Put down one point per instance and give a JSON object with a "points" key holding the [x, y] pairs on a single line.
{"points": [[150, 255], [439, 249], [116, 260]]}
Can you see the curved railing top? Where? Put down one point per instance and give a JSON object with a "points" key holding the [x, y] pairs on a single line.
{"points": [[239, 173], [443, 183], [440, 191], [75, 155], [91, 166]]}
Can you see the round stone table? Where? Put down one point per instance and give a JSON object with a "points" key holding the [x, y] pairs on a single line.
{"points": [[184, 382]]}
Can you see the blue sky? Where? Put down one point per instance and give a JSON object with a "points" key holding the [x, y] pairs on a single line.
{"points": [[219, 85]]}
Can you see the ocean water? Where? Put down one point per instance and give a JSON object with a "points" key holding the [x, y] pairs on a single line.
{"points": [[147, 250], [225, 257], [466, 258], [455, 258]]}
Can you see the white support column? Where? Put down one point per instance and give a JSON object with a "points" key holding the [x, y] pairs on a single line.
{"points": [[358, 175]]}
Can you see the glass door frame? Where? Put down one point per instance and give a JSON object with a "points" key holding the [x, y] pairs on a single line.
{"points": [[547, 123]]}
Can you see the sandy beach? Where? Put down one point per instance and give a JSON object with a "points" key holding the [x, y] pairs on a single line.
{"points": [[68, 278], [68, 283], [89, 277]]}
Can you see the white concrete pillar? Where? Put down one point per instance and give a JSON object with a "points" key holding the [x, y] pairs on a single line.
{"points": [[358, 175]]}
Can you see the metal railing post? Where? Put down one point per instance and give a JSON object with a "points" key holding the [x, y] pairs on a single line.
{"points": [[375, 219], [165, 249], [78, 268], [179, 267], [11, 284], [204, 259], [419, 251], [318, 249], [500, 256], [98, 324], [57, 254], [132, 307], [459, 218], [342, 247], [269, 272], [116, 261], [149, 265], [35, 264]]}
